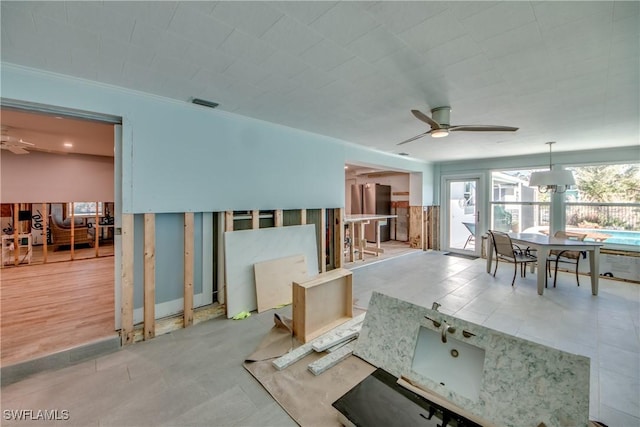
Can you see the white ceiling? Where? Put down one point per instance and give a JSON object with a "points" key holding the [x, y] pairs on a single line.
{"points": [[560, 71]]}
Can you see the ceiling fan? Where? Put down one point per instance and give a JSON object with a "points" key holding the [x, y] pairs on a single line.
{"points": [[440, 126], [13, 144]]}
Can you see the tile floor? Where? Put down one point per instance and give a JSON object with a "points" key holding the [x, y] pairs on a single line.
{"points": [[194, 377]]}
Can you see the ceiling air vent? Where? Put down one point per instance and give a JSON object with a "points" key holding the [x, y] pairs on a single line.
{"points": [[204, 102]]}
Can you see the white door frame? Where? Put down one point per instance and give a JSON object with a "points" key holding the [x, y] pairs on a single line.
{"points": [[480, 219]]}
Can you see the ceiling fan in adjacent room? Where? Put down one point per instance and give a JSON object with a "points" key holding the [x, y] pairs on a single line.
{"points": [[440, 126], [14, 144]]}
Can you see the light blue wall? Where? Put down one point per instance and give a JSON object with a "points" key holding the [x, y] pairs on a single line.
{"points": [[178, 157], [181, 157]]}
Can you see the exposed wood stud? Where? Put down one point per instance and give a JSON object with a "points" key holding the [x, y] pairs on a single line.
{"points": [[73, 230], [188, 268], [96, 234], [127, 279], [303, 216], [16, 224], [228, 221], [322, 259], [149, 276], [255, 219], [277, 218], [45, 231], [338, 237], [228, 226]]}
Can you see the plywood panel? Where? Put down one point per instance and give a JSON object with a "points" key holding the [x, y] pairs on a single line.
{"points": [[274, 279], [246, 247]]}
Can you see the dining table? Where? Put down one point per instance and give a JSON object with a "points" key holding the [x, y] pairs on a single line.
{"points": [[543, 245]]}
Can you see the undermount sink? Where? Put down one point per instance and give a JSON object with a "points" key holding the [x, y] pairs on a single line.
{"points": [[455, 365]]}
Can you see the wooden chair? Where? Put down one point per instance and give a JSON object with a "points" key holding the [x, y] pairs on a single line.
{"points": [[568, 257], [506, 251], [62, 234]]}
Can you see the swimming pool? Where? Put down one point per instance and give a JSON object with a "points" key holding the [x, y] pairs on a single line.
{"points": [[616, 237]]}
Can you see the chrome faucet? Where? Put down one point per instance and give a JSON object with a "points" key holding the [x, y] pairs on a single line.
{"points": [[435, 306], [446, 328]]}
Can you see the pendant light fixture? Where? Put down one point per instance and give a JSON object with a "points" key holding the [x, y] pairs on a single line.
{"points": [[556, 181]]}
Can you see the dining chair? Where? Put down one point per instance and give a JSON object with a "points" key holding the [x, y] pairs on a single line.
{"points": [[506, 251], [567, 257], [472, 230]]}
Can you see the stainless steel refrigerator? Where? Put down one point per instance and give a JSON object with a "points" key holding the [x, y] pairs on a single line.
{"points": [[373, 199]]}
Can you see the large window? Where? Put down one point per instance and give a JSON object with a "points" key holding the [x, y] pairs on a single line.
{"points": [[605, 203], [85, 208], [515, 206]]}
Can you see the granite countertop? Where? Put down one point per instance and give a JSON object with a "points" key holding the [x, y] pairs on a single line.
{"points": [[523, 383]]}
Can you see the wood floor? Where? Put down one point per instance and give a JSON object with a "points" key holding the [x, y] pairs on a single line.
{"points": [[46, 308]]}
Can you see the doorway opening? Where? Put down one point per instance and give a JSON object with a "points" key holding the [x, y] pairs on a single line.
{"points": [[58, 169], [462, 216]]}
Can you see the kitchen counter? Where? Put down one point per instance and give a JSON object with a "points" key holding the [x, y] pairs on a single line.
{"points": [[521, 383]]}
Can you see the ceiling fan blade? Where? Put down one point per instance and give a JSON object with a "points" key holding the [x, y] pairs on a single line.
{"points": [[414, 138], [421, 116], [482, 128], [15, 150]]}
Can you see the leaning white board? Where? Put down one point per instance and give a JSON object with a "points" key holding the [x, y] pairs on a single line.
{"points": [[244, 248]]}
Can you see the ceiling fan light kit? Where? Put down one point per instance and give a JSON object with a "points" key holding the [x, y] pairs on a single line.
{"points": [[439, 133], [555, 181], [440, 125]]}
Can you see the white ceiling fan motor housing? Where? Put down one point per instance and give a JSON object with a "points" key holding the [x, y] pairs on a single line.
{"points": [[441, 115]]}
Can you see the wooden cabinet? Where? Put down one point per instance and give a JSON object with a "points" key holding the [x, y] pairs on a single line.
{"points": [[322, 303]]}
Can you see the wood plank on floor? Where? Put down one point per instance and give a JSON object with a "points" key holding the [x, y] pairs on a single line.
{"points": [[52, 307]]}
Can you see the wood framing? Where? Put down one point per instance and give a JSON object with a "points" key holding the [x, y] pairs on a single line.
{"points": [[277, 218], [126, 333], [228, 221], [303, 216], [322, 303], [322, 249], [188, 268], [96, 231], [149, 276], [228, 226], [338, 237], [415, 227], [73, 231], [45, 231], [255, 219], [16, 233]]}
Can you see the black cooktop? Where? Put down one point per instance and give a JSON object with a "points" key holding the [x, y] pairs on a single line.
{"points": [[379, 401]]}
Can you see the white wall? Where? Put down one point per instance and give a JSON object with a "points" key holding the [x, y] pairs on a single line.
{"points": [[44, 177]]}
